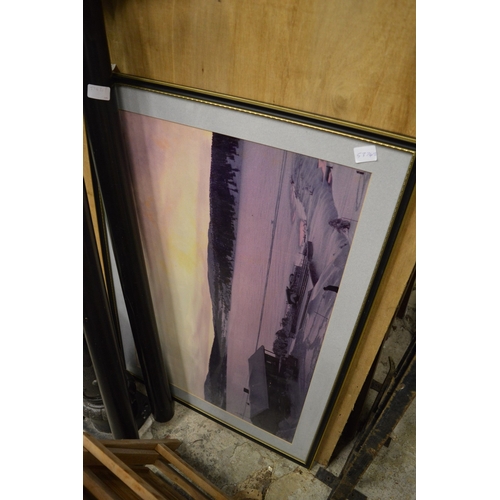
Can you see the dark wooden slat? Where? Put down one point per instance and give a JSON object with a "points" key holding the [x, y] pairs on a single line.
{"points": [[178, 479], [162, 486], [97, 487], [142, 444], [87, 495], [190, 473], [129, 457], [114, 483]]}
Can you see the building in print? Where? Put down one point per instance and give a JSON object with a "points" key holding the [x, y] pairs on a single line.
{"points": [[268, 392]]}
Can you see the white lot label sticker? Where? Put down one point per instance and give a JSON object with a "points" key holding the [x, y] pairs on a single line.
{"points": [[365, 153], [98, 92]]}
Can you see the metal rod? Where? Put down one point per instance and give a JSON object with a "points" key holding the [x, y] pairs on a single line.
{"points": [[99, 333], [111, 163], [375, 435]]}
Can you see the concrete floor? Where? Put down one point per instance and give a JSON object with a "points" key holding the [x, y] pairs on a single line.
{"points": [[236, 464], [244, 469]]}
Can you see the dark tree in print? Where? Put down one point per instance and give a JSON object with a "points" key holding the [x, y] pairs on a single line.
{"points": [[221, 237]]}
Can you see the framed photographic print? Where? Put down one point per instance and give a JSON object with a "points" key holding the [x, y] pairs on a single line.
{"points": [[263, 231]]}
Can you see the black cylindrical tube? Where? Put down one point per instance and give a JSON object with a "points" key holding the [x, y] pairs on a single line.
{"points": [[90, 388], [99, 333], [111, 164]]}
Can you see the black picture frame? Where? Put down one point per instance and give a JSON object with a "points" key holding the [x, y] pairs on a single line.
{"points": [[188, 203]]}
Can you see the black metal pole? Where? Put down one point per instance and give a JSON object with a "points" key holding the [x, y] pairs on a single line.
{"points": [[99, 333], [102, 232], [110, 159]]}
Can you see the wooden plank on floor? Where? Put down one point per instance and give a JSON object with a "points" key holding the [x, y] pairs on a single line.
{"points": [[163, 486], [190, 473], [129, 457], [114, 483], [143, 489], [87, 495], [97, 487], [179, 480], [142, 444]]}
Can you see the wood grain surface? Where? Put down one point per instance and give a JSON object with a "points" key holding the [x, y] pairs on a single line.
{"points": [[353, 61]]}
